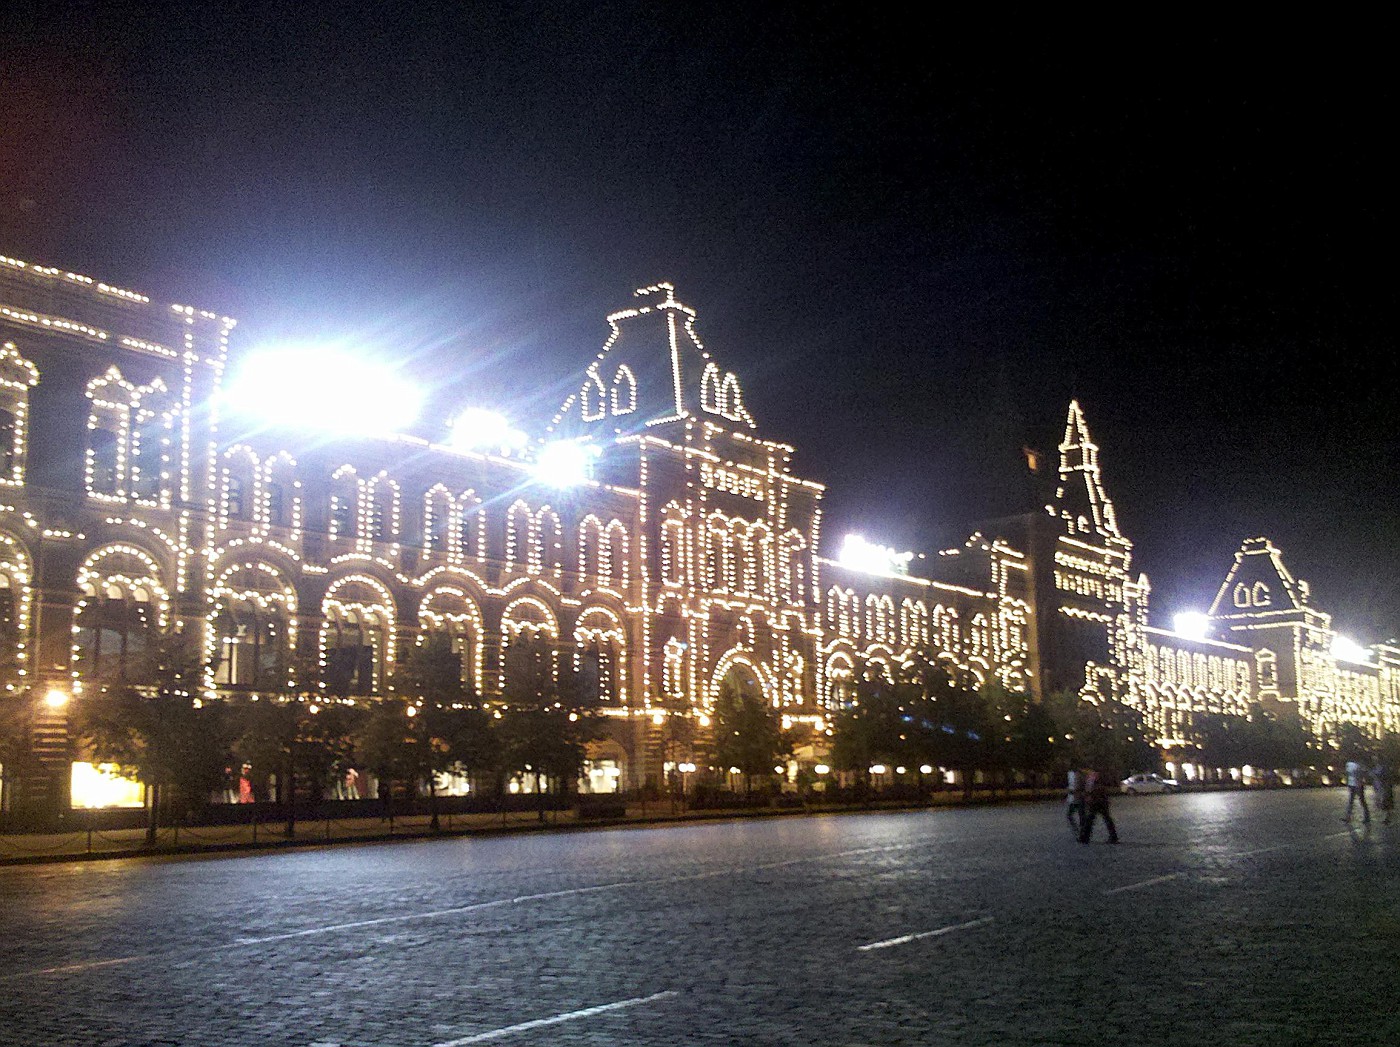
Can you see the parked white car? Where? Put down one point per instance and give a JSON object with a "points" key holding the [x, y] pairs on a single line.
{"points": [[1150, 783]]}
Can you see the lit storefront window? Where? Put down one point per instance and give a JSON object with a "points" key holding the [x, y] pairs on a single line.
{"points": [[602, 776], [101, 786]]}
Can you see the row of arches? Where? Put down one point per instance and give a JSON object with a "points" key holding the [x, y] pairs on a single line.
{"points": [[252, 633], [876, 620], [367, 509], [1171, 666], [840, 668], [732, 555]]}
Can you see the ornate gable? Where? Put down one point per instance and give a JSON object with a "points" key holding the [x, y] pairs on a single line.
{"points": [[653, 368], [1257, 583]]}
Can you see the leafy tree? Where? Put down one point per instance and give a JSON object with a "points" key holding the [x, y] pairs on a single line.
{"points": [[1354, 744], [871, 730], [386, 742], [548, 720], [1221, 740], [16, 733], [162, 736], [449, 728], [748, 733], [1024, 731], [1102, 733], [293, 737], [953, 725]]}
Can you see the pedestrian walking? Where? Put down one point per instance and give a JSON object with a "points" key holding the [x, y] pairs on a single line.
{"points": [[1356, 790], [1074, 799], [1385, 791], [1096, 805]]}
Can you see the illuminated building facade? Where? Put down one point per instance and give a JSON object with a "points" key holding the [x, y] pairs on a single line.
{"points": [[691, 557], [1261, 641], [309, 564], [974, 618]]}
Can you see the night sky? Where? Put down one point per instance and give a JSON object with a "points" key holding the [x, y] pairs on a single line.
{"points": [[914, 242]]}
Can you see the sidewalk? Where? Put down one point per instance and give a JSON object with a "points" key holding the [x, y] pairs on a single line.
{"points": [[84, 845]]}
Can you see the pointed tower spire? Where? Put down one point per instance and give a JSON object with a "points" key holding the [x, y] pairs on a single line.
{"points": [[1081, 500]]}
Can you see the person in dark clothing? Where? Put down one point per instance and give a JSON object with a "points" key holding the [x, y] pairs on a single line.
{"points": [[1095, 805]]}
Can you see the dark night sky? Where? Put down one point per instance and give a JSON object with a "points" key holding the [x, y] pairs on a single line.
{"points": [[913, 243]]}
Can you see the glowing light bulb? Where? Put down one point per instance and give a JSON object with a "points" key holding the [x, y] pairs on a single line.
{"points": [[565, 463]]}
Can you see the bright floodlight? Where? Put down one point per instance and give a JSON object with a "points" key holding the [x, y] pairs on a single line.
{"points": [[860, 555], [1193, 625], [1348, 650], [322, 387], [477, 429], [565, 463]]}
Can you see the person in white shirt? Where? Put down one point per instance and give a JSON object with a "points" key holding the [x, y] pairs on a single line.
{"points": [[1074, 800], [1356, 790]]}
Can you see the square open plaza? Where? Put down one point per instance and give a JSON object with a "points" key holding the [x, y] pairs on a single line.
{"points": [[679, 553]]}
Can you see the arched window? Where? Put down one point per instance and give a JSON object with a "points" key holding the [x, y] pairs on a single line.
{"points": [[17, 377], [528, 637], [792, 560], [280, 501], [519, 523], [624, 391], [240, 467], [449, 611], [438, 507], [383, 497], [357, 637], [590, 547], [1267, 663], [116, 622], [471, 526], [615, 544], [673, 546], [595, 398], [252, 627], [251, 646], [834, 606], [546, 543], [104, 462], [345, 503], [711, 394], [151, 443], [673, 670], [598, 650], [730, 398], [130, 438]]}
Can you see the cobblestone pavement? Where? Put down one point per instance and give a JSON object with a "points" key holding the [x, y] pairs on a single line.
{"points": [[1222, 918]]}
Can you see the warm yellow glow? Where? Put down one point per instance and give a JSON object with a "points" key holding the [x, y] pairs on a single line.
{"points": [[101, 786], [56, 698]]}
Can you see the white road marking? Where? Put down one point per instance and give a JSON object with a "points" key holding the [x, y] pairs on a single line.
{"points": [[71, 968], [1261, 850], [1145, 883], [571, 1016], [378, 921], [905, 939]]}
